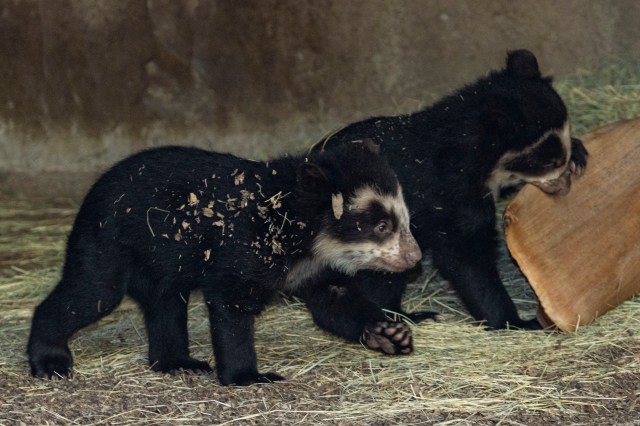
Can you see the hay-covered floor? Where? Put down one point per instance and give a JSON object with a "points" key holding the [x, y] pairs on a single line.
{"points": [[458, 374]]}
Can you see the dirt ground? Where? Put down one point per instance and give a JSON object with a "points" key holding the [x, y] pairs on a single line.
{"points": [[113, 400]]}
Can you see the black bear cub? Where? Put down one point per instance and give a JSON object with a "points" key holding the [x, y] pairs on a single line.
{"points": [[454, 159], [167, 221]]}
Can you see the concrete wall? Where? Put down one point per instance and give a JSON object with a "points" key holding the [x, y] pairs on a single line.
{"points": [[84, 83]]}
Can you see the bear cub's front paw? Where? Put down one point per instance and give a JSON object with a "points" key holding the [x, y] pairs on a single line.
{"points": [[579, 154], [393, 338], [49, 361]]}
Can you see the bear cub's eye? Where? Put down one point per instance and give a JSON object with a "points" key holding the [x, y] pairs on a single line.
{"points": [[382, 228]]}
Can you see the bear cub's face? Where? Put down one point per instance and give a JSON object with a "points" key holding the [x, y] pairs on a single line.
{"points": [[363, 215], [545, 163], [369, 230], [541, 150]]}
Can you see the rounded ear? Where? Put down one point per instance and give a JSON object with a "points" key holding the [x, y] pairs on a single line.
{"points": [[311, 178], [522, 63]]}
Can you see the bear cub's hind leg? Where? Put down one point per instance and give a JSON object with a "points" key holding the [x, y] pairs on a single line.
{"points": [[166, 322], [93, 283]]}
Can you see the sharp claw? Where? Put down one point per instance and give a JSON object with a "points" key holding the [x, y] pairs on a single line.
{"points": [[406, 341]]}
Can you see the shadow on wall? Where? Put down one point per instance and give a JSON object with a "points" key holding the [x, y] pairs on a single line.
{"points": [[86, 83]]}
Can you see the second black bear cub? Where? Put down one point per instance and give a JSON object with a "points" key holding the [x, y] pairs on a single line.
{"points": [[454, 159], [167, 221]]}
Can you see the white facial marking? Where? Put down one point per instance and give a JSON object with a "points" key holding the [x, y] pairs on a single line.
{"points": [[352, 257], [395, 203], [501, 177], [349, 258]]}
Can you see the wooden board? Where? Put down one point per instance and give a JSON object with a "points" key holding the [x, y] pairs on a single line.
{"points": [[581, 252]]}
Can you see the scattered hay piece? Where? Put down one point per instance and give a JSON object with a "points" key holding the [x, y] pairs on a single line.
{"points": [[276, 247], [239, 179], [150, 209], [262, 212]]}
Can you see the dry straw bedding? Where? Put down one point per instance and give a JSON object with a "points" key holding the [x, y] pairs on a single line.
{"points": [[458, 374]]}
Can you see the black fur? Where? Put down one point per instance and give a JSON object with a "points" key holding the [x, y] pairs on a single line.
{"points": [[167, 221], [447, 157]]}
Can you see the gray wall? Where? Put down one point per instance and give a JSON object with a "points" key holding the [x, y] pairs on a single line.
{"points": [[86, 82]]}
